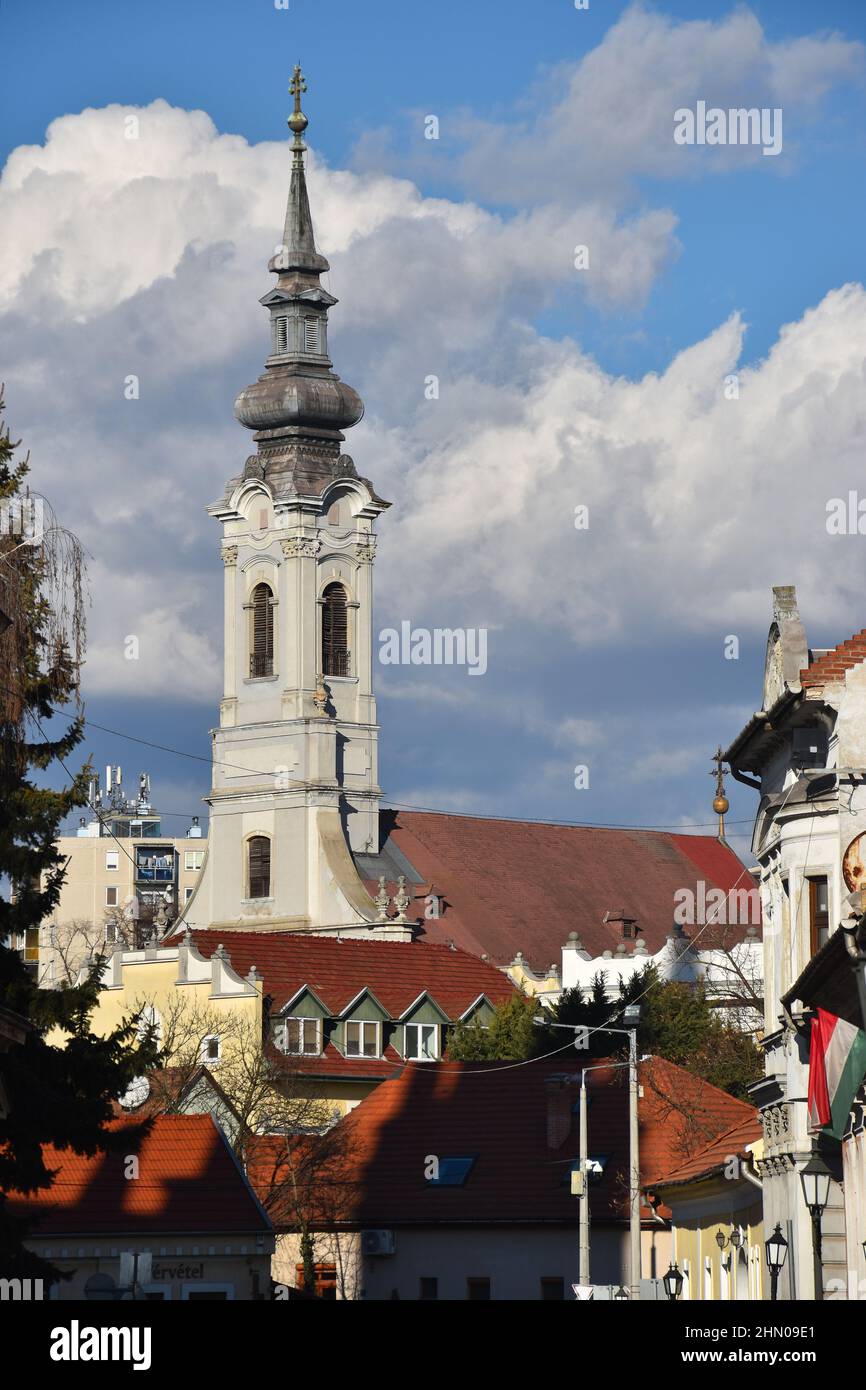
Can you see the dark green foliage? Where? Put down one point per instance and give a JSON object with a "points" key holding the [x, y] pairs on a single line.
{"points": [[59, 1083], [676, 1022], [510, 1036]]}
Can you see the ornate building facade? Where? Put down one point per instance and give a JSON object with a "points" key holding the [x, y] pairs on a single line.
{"points": [[804, 752]]}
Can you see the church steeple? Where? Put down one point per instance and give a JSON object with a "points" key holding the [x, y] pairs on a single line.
{"points": [[295, 790], [299, 407]]}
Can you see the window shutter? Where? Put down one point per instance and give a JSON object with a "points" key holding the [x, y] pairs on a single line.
{"points": [[260, 866], [335, 632], [262, 655], [281, 334], [311, 335]]}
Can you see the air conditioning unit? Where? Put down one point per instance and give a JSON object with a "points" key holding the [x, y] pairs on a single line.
{"points": [[378, 1242]]}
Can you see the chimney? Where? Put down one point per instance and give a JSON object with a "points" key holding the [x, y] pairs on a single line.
{"points": [[560, 1098]]}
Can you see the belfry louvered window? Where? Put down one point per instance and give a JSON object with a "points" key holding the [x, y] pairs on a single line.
{"points": [[335, 631], [311, 335], [262, 644], [260, 866], [281, 334]]}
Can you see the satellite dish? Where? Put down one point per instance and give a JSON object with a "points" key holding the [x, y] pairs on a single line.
{"points": [[136, 1093]]}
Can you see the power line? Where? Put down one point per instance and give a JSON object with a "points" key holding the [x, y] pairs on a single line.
{"points": [[401, 805]]}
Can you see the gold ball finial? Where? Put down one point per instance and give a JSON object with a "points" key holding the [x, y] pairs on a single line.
{"points": [[720, 801]]}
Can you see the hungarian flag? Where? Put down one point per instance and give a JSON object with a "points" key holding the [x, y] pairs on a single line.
{"points": [[837, 1065]]}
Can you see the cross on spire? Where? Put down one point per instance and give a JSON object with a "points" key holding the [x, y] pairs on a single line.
{"points": [[297, 85], [720, 801], [297, 121]]}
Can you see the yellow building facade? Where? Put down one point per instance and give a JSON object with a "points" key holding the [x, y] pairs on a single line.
{"points": [[717, 1230]]}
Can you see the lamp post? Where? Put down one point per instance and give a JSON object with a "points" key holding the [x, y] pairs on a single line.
{"points": [[815, 1179], [776, 1250], [631, 1018], [583, 1210], [673, 1282]]}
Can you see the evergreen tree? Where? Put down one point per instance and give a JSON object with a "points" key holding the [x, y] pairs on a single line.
{"points": [[510, 1036], [58, 1083], [677, 1022]]}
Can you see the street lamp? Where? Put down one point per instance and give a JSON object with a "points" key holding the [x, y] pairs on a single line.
{"points": [[673, 1282], [776, 1250], [631, 1018], [815, 1179]]}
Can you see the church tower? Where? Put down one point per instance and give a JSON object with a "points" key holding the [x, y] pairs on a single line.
{"points": [[295, 758]]}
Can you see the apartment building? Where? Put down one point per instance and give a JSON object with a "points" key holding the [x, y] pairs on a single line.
{"points": [[125, 878]]}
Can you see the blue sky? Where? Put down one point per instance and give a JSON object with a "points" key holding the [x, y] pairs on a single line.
{"points": [[767, 239]]}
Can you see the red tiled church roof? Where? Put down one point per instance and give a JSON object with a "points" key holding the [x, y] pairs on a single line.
{"points": [[512, 886], [831, 667], [188, 1182], [498, 1114], [337, 971]]}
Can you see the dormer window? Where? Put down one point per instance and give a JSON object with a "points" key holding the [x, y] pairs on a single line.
{"points": [[362, 1040], [422, 1042], [302, 1035]]}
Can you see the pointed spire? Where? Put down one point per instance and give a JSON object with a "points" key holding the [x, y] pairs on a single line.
{"points": [[299, 407], [298, 250]]}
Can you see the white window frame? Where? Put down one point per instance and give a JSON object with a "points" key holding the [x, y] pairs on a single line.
{"points": [[111, 888], [305, 1025], [417, 1055], [364, 1023], [193, 854], [112, 854], [205, 1059], [188, 892]]}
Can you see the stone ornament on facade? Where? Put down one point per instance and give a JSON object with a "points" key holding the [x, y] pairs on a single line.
{"points": [[401, 899], [306, 546], [382, 900], [230, 555], [366, 548]]}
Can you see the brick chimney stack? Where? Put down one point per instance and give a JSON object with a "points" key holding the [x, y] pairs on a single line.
{"points": [[560, 1099]]}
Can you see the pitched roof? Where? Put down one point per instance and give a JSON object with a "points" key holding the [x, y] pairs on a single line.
{"points": [[188, 1183], [396, 972], [715, 1155], [831, 666], [497, 1114], [510, 886]]}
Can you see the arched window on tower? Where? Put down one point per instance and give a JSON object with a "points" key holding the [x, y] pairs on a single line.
{"points": [[262, 635], [335, 631], [259, 851]]}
